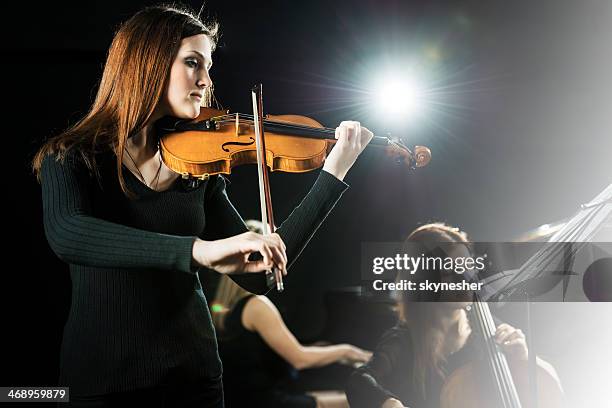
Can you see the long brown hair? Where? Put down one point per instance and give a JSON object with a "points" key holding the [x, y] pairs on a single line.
{"points": [[427, 320], [136, 74]]}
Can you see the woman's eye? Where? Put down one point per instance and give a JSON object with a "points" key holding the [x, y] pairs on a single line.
{"points": [[191, 63]]}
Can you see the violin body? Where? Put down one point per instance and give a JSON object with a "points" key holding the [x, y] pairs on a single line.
{"points": [[472, 386], [218, 142], [228, 145]]}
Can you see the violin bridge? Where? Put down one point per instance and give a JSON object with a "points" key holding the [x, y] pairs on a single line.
{"points": [[237, 125], [187, 176]]}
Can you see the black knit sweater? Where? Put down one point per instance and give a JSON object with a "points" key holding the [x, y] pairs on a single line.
{"points": [[389, 373], [138, 316]]}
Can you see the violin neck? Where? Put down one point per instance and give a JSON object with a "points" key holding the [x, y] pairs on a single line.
{"points": [[312, 133]]}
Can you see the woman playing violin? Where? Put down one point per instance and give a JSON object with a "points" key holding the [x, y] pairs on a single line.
{"points": [[412, 360], [134, 234]]}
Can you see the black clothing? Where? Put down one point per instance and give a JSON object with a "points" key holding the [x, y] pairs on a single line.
{"points": [[139, 317], [254, 374], [388, 374]]}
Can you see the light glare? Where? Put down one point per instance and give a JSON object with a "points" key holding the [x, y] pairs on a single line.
{"points": [[399, 98]]}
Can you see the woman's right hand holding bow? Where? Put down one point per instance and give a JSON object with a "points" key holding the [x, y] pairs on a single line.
{"points": [[231, 255]]}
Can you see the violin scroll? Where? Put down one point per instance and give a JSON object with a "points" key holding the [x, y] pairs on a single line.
{"points": [[422, 156], [419, 158]]}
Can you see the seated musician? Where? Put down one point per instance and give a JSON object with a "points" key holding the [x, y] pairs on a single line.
{"points": [[412, 359], [259, 353]]}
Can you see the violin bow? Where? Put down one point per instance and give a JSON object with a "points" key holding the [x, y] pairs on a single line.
{"points": [[275, 276]]}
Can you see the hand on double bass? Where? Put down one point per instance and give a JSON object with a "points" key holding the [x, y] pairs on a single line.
{"points": [[512, 341]]}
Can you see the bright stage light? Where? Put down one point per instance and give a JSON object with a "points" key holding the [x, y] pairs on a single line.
{"points": [[399, 98]]}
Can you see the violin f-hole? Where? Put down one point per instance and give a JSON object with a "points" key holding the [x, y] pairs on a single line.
{"points": [[223, 146]]}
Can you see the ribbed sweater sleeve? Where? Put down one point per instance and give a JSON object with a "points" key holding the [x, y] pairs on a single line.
{"points": [[296, 231], [79, 238]]}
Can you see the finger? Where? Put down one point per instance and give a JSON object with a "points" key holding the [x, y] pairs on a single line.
{"points": [[280, 273], [268, 255], [504, 327], [279, 258], [357, 129], [275, 242], [340, 134], [280, 241], [514, 343], [282, 265], [255, 266], [366, 136], [353, 129], [285, 262], [344, 133], [514, 336], [363, 356], [283, 251], [500, 337], [503, 336], [367, 356]]}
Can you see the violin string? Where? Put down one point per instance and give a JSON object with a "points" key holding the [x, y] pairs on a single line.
{"points": [[323, 131], [249, 119]]}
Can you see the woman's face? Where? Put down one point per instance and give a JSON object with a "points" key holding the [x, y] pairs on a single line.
{"points": [[189, 78], [456, 299]]}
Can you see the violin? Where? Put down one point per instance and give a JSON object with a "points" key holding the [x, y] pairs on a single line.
{"points": [[495, 382], [217, 141]]}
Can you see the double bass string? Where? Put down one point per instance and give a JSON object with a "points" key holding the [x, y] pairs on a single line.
{"points": [[501, 375], [492, 358], [499, 364]]}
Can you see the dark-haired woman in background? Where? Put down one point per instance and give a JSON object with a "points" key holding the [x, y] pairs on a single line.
{"points": [[412, 359], [134, 234]]}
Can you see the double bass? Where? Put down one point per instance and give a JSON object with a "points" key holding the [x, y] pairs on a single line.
{"points": [[494, 381]]}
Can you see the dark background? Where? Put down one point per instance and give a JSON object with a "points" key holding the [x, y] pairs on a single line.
{"points": [[519, 128]]}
